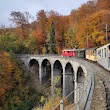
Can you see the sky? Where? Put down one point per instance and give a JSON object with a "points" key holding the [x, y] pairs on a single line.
{"points": [[63, 7]]}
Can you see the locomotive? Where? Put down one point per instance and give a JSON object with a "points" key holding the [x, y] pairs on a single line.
{"points": [[100, 55]]}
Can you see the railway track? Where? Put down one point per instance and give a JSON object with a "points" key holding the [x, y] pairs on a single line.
{"points": [[101, 76]]}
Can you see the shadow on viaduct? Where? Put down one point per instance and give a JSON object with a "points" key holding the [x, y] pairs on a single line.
{"points": [[72, 73]]}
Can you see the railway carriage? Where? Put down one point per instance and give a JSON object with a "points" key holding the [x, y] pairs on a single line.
{"points": [[80, 53], [68, 53], [91, 54], [103, 56]]}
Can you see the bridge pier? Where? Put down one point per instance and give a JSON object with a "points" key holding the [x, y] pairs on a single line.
{"points": [[52, 81], [43, 72], [40, 74], [76, 99], [64, 83], [68, 89]]}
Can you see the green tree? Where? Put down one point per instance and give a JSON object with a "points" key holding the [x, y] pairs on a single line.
{"points": [[9, 43], [51, 40]]}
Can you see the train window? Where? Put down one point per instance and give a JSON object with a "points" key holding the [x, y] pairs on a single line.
{"points": [[95, 52], [99, 53], [109, 47], [105, 52], [102, 52], [86, 52], [91, 52]]}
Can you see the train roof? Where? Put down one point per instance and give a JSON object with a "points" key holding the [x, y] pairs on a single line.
{"points": [[94, 48], [104, 46], [81, 49], [69, 49]]}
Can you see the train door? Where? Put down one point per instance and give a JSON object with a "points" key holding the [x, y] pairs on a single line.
{"points": [[109, 50]]}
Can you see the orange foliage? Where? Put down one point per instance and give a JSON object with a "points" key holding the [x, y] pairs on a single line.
{"points": [[6, 70], [40, 37]]}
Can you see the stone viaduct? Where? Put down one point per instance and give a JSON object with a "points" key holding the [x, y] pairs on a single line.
{"points": [[74, 75]]}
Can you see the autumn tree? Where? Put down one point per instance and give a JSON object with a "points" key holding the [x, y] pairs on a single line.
{"points": [[40, 32], [21, 20], [41, 20], [38, 35], [103, 4]]}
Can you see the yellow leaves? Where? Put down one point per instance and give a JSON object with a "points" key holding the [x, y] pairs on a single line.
{"points": [[100, 39], [52, 102], [6, 66]]}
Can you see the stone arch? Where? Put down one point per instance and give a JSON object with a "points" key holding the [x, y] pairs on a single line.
{"points": [[80, 75], [34, 68], [80, 81], [46, 71], [58, 74], [69, 81]]}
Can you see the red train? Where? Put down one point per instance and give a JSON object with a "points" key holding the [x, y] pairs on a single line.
{"points": [[69, 52]]}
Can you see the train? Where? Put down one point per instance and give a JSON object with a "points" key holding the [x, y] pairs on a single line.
{"points": [[101, 55]]}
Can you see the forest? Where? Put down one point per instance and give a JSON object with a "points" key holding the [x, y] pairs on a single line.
{"points": [[48, 33]]}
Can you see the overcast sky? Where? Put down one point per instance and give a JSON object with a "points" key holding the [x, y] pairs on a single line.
{"points": [[63, 7]]}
